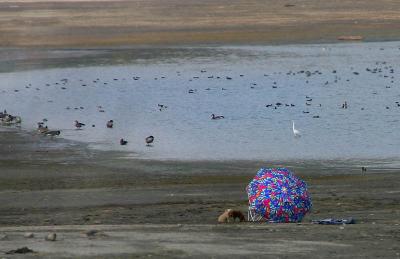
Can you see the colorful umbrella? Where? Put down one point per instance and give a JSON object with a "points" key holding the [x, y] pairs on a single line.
{"points": [[277, 195]]}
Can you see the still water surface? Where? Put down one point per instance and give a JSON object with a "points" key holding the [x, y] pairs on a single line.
{"points": [[311, 83]]}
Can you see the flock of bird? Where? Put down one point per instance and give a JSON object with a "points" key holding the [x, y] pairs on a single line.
{"points": [[380, 68], [79, 125], [8, 119]]}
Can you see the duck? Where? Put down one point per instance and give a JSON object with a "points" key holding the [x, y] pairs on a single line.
{"points": [[10, 119], [52, 133], [161, 106], [42, 129], [110, 124], [123, 142], [78, 124], [149, 140], [3, 114], [213, 117]]}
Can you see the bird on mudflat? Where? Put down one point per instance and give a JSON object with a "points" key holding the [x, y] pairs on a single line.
{"points": [[78, 124], [149, 140], [42, 129], [123, 142]]}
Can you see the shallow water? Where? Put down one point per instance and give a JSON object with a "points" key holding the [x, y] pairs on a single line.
{"points": [[368, 128]]}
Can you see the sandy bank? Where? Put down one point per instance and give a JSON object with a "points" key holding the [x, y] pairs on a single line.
{"points": [[169, 209], [182, 241], [155, 22]]}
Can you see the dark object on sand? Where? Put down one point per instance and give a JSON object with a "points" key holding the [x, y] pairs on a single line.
{"points": [[350, 37], [149, 140], [93, 233], [332, 221], [22, 250], [123, 142], [289, 5]]}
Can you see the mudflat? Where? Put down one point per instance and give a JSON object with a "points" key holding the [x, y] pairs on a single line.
{"points": [[29, 23], [140, 208]]}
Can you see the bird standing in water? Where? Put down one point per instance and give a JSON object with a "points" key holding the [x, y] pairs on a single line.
{"points": [[123, 142], [295, 131]]}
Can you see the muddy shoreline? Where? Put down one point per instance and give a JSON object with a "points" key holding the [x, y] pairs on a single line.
{"points": [[65, 187]]}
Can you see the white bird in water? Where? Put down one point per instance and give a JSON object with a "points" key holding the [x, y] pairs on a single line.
{"points": [[295, 131]]}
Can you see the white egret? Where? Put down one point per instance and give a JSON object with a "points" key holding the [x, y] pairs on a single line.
{"points": [[295, 131]]}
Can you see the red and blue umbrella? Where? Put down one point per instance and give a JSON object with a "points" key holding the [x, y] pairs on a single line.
{"points": [[277, 195]]}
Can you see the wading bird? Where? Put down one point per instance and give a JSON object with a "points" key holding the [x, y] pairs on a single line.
{"points": [[295, 131]]}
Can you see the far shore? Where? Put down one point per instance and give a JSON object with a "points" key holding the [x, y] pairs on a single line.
{"points": [[82, 24]]}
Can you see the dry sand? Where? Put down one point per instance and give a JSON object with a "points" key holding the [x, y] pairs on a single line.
{"points": [[91, 24], [169, 209]]}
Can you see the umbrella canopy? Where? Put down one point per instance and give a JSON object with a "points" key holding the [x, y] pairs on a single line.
{"points": [[277, 195]]}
